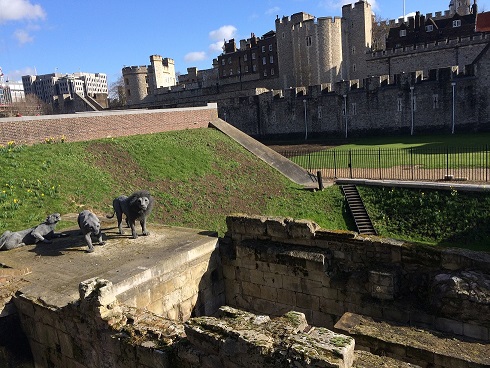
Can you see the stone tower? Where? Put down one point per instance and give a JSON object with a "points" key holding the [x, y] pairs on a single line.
{"points": [[286, 57], [357, 24], [162, 72], [462, 7], [135, 84]]}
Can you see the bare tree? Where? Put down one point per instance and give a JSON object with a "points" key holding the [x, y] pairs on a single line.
{"points": [[117, 93], [380, 32]]}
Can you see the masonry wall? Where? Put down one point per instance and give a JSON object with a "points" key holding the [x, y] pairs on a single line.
{"points": [[87, 126], [274, 265]]}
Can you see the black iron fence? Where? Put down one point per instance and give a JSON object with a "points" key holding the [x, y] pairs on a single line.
{"points": [[413, 163]]}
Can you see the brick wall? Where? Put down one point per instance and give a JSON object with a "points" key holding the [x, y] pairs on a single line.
{"points": [[87, 126]]}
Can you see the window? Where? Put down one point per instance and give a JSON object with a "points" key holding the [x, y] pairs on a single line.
{"points": [[264, 60], [354, 67], [265, 73], [457, 23], [308, 41], [354, 109], [254, 68], [238, 71], [253, 55], [270, 47], [126, 80], [231, 71], [353, 50], [229, 60], [399, 105], [129, 92], [429, 28], [283, 35], [272, 71], [245, 57], [435, 101], [271, 59], [403, 32], [263, 48], [319, 112], [246, 68]]}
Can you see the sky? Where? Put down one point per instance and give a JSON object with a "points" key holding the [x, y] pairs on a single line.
{"points": [[103, 36]]}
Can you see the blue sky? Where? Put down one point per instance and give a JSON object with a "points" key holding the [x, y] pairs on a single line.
{"points": [[103, 36]]}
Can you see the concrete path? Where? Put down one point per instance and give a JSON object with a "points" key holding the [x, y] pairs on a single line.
{"points": [[447, 185], [292, 171]]}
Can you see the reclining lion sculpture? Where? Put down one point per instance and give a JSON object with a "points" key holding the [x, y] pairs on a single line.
{"points": [[40, 233], [137, 206]]}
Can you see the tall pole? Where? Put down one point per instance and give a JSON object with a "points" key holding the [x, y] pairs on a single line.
{"points": [[403, 10], [345, 114], [411, 103], [454, 112], [306, 122]]}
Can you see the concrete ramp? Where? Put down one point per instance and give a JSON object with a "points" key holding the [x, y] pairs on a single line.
{"points": [[292, 171]]}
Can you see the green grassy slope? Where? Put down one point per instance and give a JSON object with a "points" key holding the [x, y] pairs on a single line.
{"points": [[198, 177]]}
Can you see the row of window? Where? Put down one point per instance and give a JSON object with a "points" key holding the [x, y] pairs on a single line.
{"points": [[254, 68], [245, 57], [430, 27]]}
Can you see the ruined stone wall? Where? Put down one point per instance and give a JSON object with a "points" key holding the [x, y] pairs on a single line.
{"points": [[272, 266], [87, 126]]}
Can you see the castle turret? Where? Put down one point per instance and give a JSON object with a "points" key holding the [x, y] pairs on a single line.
{"points": [[163, 72], [357, 26], [462, 7]]}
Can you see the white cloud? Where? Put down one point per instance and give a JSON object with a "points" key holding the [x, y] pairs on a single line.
{"points": [[195, 56], [23, 36], [16, 75], [217, 46], [223, 33], [13, 10], [273, 11]]}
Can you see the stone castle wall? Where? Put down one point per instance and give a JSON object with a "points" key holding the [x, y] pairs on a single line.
{"points": [[273, 265], [87, 126], [289, 272]]}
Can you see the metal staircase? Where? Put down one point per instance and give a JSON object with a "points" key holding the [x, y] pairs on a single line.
{"points": [[356, 206]]}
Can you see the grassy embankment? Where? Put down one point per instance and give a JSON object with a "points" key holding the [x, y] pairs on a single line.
{"points": [[198, 177]]}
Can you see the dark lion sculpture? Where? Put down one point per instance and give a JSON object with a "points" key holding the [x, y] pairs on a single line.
{"points": [[41, 233], [89, 224], [137, 206]]}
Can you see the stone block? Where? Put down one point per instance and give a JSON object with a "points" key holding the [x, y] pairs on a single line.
{"points": [[302, 229], [449, 325], [268, 293], [246, 225], [250, 289], [277, 227], [476, 332], [292, 283], [286, 297]]}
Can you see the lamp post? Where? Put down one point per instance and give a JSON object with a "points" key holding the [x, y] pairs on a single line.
{"points": [[412, 108], [306, 122], [345, 114], [454, 112]]}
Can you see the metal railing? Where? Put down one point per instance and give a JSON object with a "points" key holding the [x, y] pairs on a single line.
{"points": [[414, 163]]}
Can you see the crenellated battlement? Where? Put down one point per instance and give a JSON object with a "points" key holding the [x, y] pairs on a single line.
{"points": [[449, 43], [397, 22], [333, 20], [135, 69]]}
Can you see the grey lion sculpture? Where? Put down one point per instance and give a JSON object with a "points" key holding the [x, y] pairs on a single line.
{"points": [[89, 224], [137, 206], [41, 233]]}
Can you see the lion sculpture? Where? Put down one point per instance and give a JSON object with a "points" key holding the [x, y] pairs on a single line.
{"points": [[40, 233], [137, 206], [89, 224]]}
